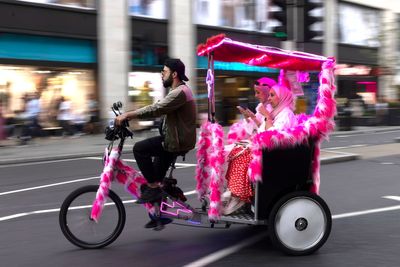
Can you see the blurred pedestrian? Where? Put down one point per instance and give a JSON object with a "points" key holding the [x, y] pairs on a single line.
{"points": [[2, 123], [381, 111], [93, 111], [65, 116], [30, 118]]}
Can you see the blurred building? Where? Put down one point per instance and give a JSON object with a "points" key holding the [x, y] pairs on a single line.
{"points": [[52, 47]]}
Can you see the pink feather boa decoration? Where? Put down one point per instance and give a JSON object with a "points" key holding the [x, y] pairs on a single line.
{"points": [[126, 175], [209, 171], [210, 154]]}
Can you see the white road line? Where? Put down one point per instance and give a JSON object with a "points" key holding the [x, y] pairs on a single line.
{"points": [[363, 212], [392, 197], [232, 249], [132, 160], [366, 133], [23, 214], [213, 257], [344, 147], [178, 166], [48, 185], [40, 162]]}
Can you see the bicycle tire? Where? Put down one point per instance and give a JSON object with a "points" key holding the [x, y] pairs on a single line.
{"points": [[300, 223], [80, 229]]}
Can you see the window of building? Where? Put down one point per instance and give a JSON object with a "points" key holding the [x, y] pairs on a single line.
{"points": [[148, 8], [358, 25], [91, 4], [239, 14]]}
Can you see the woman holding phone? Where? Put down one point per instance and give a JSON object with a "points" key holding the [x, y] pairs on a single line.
{"points": [[276, 114]]}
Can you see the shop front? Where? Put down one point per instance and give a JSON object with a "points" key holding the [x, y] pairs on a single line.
{"points": [[49, 85], [49, 69]]}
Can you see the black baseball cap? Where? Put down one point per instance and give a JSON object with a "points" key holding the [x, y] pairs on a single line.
{"points": [[175, 64]]}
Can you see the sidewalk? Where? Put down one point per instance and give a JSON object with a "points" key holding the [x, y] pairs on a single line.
{"points": [[57, 148]]}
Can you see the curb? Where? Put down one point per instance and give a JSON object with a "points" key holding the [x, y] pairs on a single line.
{"points": [[397, 140], [365, 131], [340, 158]]}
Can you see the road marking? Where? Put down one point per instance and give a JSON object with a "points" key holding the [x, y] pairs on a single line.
{"points": [[23, 214], [178, 166], [181, 165], [392, 197], [344, 147], [48, 185], [213, 257], [40, 162], [366, 133], [364, 212]]}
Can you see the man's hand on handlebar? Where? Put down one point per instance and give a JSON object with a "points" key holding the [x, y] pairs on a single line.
{"points": [[119, 120]]}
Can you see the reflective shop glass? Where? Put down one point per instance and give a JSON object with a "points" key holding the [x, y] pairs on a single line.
{"points": [[239, 14], [358, 25], [148, 8], [91, 4]]}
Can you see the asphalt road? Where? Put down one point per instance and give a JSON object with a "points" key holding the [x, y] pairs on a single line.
{"points": [[32, 193], [361, 139]]}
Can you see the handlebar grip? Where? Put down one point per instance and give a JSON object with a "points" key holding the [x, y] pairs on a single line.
{"points": [[126, 123]]}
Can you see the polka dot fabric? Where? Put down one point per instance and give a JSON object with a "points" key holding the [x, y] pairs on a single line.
{"points": [[236, 175]]}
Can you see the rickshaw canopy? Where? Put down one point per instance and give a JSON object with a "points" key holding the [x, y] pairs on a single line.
{"points": [[228, 50]]}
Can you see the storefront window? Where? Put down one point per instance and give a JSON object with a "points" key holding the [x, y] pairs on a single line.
{"points": [[145, 88], [241, 14], [358, 25], [71, 3], [17, 83], [145, 55], [148, 8]]}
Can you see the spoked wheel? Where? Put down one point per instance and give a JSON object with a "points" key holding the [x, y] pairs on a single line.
{"points": [[80, 229], [300, 223]]}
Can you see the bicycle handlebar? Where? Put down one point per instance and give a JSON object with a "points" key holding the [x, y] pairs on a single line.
{"points": [[114, 132]]}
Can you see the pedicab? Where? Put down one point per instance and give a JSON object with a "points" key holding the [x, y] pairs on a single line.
{"points": [[284, 167]]}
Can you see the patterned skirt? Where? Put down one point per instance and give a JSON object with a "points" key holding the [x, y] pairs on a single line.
{"points": [[238, 182]]}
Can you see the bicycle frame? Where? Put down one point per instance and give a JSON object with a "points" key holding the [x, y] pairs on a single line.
{"points": [[116, 169]]}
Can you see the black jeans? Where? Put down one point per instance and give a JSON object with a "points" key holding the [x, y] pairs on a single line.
{"points": [[152, 159]]}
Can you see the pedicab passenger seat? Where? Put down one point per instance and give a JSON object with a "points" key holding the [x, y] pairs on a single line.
{"points": [[284, 170]]}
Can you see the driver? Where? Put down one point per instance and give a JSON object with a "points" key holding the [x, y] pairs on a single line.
{"points": [[177, 132]]}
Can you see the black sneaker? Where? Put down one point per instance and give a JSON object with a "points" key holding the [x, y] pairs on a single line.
{"points": [[153, 223], [149, 194]]}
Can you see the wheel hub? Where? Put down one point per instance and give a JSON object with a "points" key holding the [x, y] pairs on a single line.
{"points": [[301, 224]]}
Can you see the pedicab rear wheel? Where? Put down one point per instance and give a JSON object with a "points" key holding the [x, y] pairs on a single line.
{"points": [[299, 223]]}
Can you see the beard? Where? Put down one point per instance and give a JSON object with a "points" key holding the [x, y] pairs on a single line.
{"points": [[168, 82]]}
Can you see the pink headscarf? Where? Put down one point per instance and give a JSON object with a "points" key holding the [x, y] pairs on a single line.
{"points": [[286, 99], [264, 84]]}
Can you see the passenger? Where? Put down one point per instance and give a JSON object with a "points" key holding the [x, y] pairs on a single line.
{"points": [[280, 117], [252, 121]]}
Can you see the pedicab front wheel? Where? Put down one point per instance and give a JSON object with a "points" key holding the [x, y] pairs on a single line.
{"points": [[300, 223], [78, 226]]}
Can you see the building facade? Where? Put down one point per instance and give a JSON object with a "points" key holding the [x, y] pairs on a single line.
{"points": [[53, 47]]}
